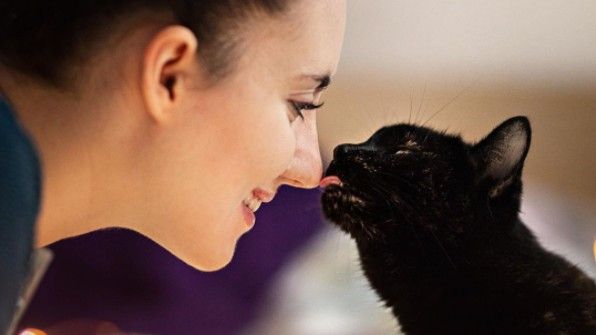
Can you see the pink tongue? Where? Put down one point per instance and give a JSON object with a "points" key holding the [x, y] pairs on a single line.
{"points": [[329, 180]]}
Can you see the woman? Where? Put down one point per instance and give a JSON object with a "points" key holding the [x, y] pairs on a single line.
{"points": [[175, 119]]}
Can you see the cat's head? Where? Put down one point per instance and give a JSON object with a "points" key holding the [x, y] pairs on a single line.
{"points": [[406, 175]]}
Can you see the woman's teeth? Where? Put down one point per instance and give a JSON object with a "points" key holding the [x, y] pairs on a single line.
{"points": [[253, 204]]}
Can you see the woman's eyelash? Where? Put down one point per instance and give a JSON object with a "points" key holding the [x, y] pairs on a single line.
{"points": [[298, 107]]}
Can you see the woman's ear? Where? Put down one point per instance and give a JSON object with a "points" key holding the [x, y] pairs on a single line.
{"points": [[500, 156], [168, 61]]}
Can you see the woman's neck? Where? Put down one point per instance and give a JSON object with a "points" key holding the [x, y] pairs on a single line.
{"points": [[76, 153]]}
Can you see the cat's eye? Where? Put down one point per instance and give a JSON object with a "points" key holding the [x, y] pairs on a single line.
{"points": [[405, 150]]}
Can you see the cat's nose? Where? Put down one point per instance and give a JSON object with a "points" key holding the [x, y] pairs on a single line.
{"points": [[344, 150]]}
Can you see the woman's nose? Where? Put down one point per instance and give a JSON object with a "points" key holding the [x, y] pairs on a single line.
{"points": [[306, 167]]}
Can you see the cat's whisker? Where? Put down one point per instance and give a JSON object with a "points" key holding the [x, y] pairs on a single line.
{"points": [[459, 94], [428, 133], [443, 249], [411, 105], [421, 103]]}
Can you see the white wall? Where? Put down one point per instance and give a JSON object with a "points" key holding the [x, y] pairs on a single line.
{"points": [[547, 42]]}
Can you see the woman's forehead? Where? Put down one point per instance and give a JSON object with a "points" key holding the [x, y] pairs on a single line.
{"points": [[304, 44], [320, 33]]}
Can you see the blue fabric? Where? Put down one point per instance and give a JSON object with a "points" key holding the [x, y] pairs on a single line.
{"points": [[19, 206]]}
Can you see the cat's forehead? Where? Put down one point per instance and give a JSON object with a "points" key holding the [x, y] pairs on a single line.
{"points": [[405, 135]]}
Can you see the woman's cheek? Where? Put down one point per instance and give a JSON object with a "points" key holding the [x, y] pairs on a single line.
{"points": [[278, 145], [286, 149]]}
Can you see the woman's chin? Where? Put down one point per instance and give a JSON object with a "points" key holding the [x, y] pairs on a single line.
{"points": [[209, 262], [213, 266], [220, 255], [202, 255], [204, 250]]}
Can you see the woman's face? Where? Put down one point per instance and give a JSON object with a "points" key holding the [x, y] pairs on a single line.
{"points": [[233, 144]]}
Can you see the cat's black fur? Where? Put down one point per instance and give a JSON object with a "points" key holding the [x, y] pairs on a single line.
{"points": [[436, 224]]}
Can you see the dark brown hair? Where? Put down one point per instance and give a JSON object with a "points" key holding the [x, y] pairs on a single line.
{"points": [[45, 40]]}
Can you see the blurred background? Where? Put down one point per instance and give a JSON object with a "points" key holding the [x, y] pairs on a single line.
{"points": [[461, 65], [464, 66]]}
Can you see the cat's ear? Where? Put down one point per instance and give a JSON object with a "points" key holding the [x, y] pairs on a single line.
{"points": [[500, 156]]}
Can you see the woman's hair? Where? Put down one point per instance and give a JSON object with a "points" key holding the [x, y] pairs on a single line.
{"points": [[47, 39]]}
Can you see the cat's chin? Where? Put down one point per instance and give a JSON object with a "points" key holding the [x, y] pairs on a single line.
{"points": [[344, 208]]}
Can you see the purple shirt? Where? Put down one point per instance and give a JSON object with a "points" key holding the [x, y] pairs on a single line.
{"points": [[122, 277]]}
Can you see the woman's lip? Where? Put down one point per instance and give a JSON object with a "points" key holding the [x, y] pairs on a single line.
{"points": [[330, 180], [249, 216]]}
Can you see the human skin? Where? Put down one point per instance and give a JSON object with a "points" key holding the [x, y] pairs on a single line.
{"points": [[147, 141]]}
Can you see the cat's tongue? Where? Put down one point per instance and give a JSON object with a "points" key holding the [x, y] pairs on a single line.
{"points": [[329, 180]]}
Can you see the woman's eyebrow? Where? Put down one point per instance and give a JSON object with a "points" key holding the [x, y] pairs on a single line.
{"points": [[324, 80]]}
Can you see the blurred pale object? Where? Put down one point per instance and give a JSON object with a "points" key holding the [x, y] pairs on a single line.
{"points": [[323, 292], [77, 327], [594, 250], [32, 331]]}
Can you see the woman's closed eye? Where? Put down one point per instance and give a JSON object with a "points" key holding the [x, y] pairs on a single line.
{"points": [[297, 107]]}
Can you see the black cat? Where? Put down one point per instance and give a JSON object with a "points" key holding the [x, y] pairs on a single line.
{"points": [[436, 224]]}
